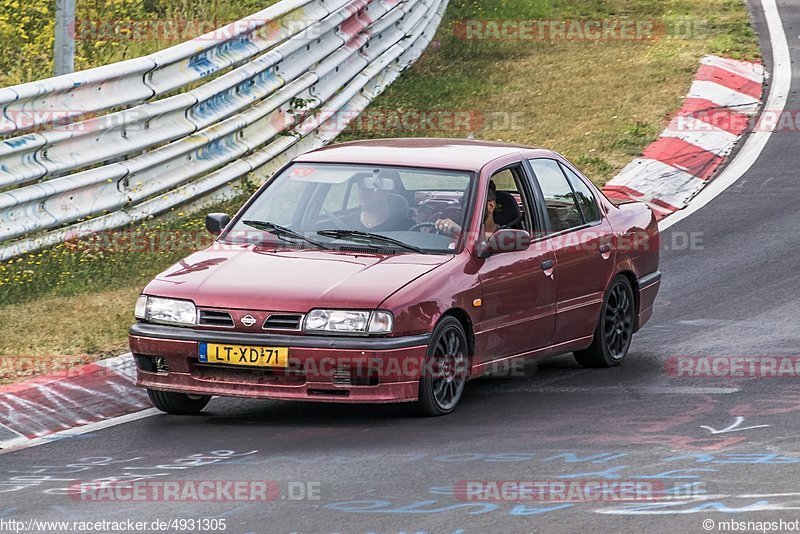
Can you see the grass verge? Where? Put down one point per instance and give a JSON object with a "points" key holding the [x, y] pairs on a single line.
{"points": [[599, 102]]}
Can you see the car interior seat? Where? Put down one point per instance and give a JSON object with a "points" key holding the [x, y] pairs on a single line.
{"points": [[507, 213], [398, 205]]}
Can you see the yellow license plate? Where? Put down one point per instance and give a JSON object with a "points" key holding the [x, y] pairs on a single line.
{"points": [[244, 355]]}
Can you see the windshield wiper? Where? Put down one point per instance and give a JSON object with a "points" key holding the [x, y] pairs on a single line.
{"points": [[282, 232], [366, 236]]}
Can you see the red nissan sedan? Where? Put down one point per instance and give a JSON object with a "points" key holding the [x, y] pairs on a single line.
{"points": [[394, 271]]}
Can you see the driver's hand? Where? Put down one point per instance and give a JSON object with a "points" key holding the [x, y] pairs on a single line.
{"points": [[447, 227]]}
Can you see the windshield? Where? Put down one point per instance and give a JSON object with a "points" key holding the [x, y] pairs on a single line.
{"points": [[356, 207]]}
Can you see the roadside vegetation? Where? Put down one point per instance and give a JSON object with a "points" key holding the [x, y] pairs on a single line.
{"points": [[598, 102], [105, 30]]}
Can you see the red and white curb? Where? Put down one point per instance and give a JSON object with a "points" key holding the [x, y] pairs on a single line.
{"points": [[47, 405], [717, 111]]}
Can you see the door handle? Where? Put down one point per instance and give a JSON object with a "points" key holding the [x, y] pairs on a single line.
{"points": [[548, 264], [605, 248]]}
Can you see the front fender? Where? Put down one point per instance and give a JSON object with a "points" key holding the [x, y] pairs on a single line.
{"points": [[419, 305]]}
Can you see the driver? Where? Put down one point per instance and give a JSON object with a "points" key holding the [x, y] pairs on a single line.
{"points": [[381, 210], [449, 227]]}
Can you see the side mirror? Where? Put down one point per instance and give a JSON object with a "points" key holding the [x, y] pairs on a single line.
{"points": [[505, 240], [216, 222]]}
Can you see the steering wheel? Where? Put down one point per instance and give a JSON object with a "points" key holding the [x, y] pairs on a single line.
{"points": [[343, 225], [417, 227]]}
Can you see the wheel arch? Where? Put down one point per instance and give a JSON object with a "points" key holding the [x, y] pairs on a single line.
{"points": [[463, 317], [634, 286]]}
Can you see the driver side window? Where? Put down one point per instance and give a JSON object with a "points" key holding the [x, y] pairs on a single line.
{"points": [[512, 209]]}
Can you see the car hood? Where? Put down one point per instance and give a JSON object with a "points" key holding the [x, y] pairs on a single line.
{"points": [[256, 278]]}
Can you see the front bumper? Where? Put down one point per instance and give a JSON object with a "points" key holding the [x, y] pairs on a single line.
{"points": [[321, 368]]}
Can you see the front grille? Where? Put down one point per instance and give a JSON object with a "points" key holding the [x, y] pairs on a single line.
{"points": [[215, 318], [283, 322], [341, 377]]}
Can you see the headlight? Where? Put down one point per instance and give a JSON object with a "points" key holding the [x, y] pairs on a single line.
{"points": [[349, 322], [169, 311]]}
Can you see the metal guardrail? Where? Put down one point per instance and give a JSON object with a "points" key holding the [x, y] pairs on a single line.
{"points": [[268, 87]]}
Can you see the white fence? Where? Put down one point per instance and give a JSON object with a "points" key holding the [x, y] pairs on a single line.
{"points": [[119, 143]]}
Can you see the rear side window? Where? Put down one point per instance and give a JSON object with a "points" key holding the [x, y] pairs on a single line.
{"points": [[562, 208], [584, 195]]}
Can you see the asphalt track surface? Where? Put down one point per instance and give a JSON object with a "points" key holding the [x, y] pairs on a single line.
{"points": [[715, 449]]}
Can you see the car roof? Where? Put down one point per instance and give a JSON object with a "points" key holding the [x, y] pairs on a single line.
{"points": [[438, 153]]}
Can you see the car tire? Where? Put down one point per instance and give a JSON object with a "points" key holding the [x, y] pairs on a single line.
{"points": [[445, 371], [178, 403], [614, 331]]}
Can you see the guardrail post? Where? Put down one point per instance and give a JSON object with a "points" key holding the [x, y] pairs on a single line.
{"points": [[64, 47]]}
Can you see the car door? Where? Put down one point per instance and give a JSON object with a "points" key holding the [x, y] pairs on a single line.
{"points": [[518, 305], [581, 238]]}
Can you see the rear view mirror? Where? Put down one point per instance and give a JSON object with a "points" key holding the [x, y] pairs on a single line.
{"points": [[505, 240], [376, 183], [216, 222]]}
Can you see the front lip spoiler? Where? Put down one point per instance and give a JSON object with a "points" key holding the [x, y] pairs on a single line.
{"points": [[243, 338]]}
